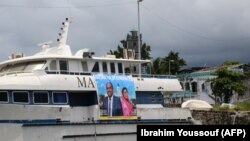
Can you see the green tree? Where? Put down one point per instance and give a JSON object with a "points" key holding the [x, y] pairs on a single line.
{"points": [[226, 82], [156, 66], [230, 63], [118, 53], [161, 65], [175, 63], [145, 52], [145, 55], [247, 74]]}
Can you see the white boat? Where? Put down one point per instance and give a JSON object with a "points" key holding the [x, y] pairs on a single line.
{"points": [[56, 87]]}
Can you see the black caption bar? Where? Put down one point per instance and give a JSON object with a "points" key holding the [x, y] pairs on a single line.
{"points": [[218, 132]]}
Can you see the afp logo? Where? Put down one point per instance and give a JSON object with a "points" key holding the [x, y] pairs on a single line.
{"points": [[233, 132]]}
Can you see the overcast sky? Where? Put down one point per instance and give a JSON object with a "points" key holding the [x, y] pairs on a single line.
{"points": [[204, 32]]}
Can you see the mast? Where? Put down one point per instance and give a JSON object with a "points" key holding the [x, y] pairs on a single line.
{"points": [[63, 35]]}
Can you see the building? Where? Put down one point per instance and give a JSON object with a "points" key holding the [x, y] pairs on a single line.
{"points": [[195, 84]]}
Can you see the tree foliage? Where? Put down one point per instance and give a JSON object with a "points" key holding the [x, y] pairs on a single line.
{"points": [[230, 63], [145, 52], [118, 53], [175, 62], [172, 60], [159, 65], [156, 66], [226, 82]]}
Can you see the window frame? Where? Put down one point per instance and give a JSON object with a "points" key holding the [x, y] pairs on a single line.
{"points": [[67, 101], [33, 94], [120, 68], [13, 99], [8, 99], [112, 68], [104, 67], [84, 66], [62, 63], [96, 67], [52, 64]]}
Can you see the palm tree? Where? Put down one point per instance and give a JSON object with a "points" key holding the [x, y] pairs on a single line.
{"points": [[175, 62], [156, 68]]}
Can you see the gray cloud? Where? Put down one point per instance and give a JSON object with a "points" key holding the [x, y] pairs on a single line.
{"points": [[202, 31]]}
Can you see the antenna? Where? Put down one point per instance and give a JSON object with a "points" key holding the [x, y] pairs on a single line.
{"points": [[44, 45], [63, 35]]}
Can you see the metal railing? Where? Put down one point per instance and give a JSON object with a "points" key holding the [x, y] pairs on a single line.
{"points": [[155, 76], [14, 72]]}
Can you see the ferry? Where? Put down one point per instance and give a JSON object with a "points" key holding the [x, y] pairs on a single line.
{"points": [[57, 95]]}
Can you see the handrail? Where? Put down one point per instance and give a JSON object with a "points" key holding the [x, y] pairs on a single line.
{"points": [[155, 76], [66, 72], [14, 72]]}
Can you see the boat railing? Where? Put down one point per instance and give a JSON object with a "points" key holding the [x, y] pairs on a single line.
{"points": [[66, 72], [90, 73], [177, 98], [184, 94], [14, 72], [155, 76], [47, 71]]}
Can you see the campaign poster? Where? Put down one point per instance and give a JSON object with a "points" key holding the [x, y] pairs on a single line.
{"points": [[117, 97]]}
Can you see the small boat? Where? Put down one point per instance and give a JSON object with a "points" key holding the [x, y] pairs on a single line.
{"points": [[57, 91]]}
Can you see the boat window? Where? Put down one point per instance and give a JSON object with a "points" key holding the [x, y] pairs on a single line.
{"points": [[63, 66], [5, 69], [60, 98], [53, 65], [86, 98], [120, 68], [96, 67], [41, 97], [16, 68], [34, 66], [104, 67], [23, 67], [21, 97], [4, 96], [85, 67], [112, 67]]}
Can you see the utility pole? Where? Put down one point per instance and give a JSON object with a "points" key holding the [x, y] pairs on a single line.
{"points": [[139, 37], [169, 73]]}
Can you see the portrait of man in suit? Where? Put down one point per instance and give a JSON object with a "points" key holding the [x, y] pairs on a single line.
{"points": [[112, 104]]}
